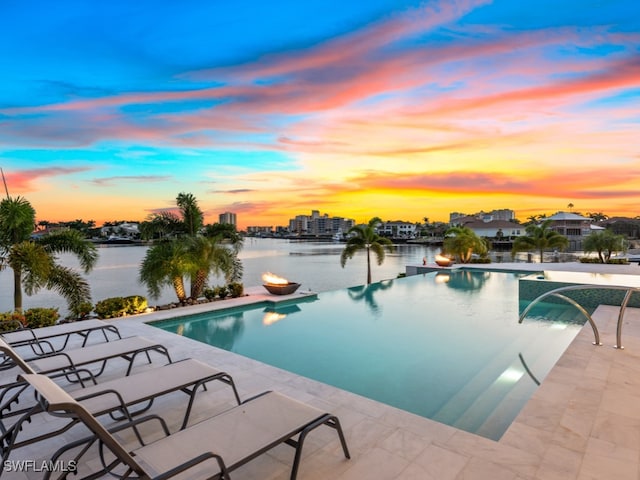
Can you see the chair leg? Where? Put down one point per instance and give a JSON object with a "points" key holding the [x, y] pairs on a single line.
{"points": [[329, 420]]}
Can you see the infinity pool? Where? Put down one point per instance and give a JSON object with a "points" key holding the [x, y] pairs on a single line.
{"points": [[446, 346]]}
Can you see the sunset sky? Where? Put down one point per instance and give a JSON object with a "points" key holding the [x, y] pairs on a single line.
{"points": [[400, 109]]}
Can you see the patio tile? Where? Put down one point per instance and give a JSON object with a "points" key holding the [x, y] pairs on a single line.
{"points": [[582, 423]]}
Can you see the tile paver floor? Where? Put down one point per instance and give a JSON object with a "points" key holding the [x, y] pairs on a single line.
{"points": [[582, 423]]}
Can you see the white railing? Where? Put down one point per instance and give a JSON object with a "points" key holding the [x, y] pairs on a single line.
{"points": [[557, 293]]}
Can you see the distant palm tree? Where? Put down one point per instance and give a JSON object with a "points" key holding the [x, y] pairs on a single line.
{"points": [[34, 261], [225, 232], [364, 237], [597, 216], [540, 237], [462, 242]]}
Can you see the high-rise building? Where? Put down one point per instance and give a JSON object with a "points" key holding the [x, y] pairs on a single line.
{"points": [[319, 224], [228, 217]]}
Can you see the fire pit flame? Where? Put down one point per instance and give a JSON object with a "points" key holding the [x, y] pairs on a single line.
{"points": [[271, 279], [278, 285]]}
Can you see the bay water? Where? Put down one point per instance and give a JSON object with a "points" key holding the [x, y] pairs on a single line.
{"points": [[315, 265]]}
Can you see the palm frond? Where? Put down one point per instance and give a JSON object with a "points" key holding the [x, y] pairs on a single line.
{"points": [[378, 250], [70, 284], [17, 220], [71, 241]]}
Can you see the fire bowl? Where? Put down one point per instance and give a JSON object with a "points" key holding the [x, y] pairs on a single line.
{"points": [[284, 289], [443, 261]]}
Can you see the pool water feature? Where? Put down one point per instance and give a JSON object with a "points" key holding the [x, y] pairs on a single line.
{"points": [[443, 345]]}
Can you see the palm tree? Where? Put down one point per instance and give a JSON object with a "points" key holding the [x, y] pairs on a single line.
{"points": [[605, 243], [34, 261], [187, 253], [208, 257], [364, 237], [160, 225], [462, 242], [225, 232], [540, 237], [166, 263], [192, 216]]}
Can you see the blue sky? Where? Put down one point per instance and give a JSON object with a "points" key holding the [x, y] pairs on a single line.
{"points": [[268, 109]]}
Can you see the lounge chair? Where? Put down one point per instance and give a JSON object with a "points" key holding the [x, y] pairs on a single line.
{"points": [[35, 336], [127, 348], [210, 449], [114, 397]]}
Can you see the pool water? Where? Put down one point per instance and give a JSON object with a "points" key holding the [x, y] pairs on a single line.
{"points": [[446, 346]]}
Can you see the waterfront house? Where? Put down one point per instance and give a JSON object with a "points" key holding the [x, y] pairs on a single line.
{"points": [[573, 226]]}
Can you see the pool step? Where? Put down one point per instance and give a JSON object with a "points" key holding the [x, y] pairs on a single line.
{"points": [[490, 401], [486, 376], [486, 416]]}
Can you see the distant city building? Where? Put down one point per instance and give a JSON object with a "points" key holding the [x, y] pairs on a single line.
{"points": [[397, 229], [259, 230], [299, 224], [319, 224], [126, 230], [228, 217], [504, 214]]}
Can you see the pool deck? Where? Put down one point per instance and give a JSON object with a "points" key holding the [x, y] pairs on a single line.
{"points": [[582, 423]]}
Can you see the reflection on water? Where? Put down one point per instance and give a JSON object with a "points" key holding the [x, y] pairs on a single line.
{"points": [[417, 322], [222, 331], [466, 280], [367, 293], [275, 314]]}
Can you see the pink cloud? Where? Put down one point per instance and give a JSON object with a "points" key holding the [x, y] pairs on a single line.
{"points": [[23, 180]]}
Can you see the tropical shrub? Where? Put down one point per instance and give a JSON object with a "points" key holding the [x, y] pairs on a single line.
{"points": [[81, 310], [120, 306], [209, 293], [41, 317], [135, 304], [110, 307], [11, 321], [480, 260], [220, 291], [611, 261], [236, 289]]}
